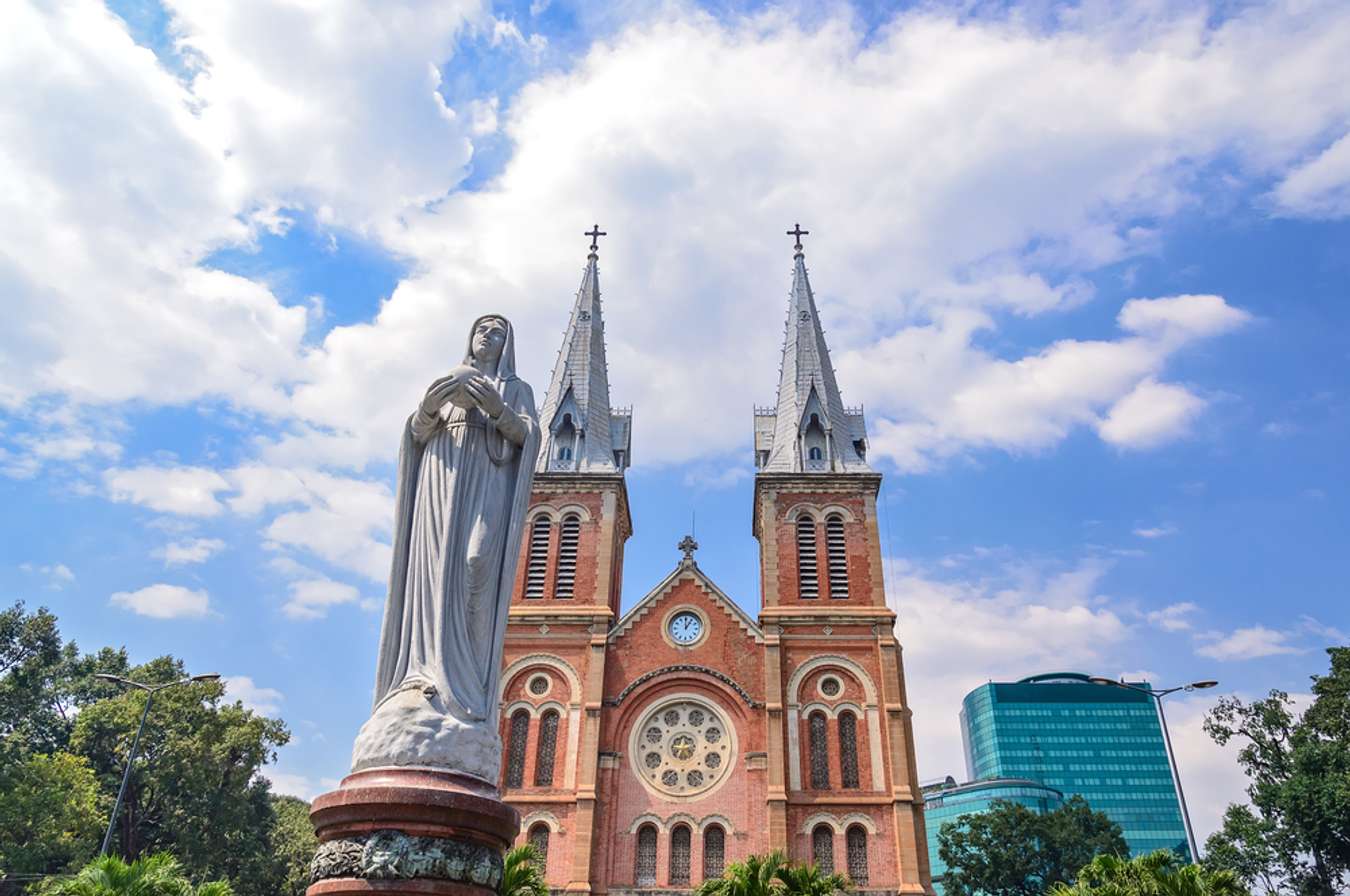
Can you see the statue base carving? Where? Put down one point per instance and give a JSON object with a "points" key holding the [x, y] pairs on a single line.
{"points": [[398, 831]]}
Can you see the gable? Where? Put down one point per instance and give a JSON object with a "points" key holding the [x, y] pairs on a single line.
{"points": [[685, 581]]}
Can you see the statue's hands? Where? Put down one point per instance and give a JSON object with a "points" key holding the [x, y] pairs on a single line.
{"points": [[485, 395], [439, 392]]}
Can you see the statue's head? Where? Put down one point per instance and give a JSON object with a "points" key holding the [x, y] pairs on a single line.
{"points": [[488, 339]]}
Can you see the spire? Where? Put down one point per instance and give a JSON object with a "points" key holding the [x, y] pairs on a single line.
{"points": [[809, 430], [582, 433]]}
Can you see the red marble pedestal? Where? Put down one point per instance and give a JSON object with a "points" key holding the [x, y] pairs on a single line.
{"points": [[400, 831]]}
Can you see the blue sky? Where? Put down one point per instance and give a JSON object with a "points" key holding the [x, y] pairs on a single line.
{"points": [[1085, 265]]}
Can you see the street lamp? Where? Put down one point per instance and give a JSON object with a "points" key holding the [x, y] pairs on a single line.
{"points": [[1158, 696], [150, 691]]}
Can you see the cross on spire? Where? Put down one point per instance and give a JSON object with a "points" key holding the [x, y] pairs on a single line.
{"points": [[595, 233], [797, 232]]}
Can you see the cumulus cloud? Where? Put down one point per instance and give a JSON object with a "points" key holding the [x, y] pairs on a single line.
{"points": [[311, 598], [1151, 413], [1247, 643], [57, 575], [164, 602], [1174, 617], [1321, 186], [193, 550], [264, 701], [190, 491]]}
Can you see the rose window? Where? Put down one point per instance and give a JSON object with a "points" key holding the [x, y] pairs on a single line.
{"points": [[682, 748]]}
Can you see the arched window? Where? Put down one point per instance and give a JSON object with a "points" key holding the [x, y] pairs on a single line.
{"points": [[714, 851], [546, 749], [564, 452], [536, 565], [515, 749], [566, 583], [822, 848], [836, 560], [815, 453], [848, 749], [856, 840], [564, 434], [538, 838], [679, 856], [808, 575], [820, 755], [644, 870]]}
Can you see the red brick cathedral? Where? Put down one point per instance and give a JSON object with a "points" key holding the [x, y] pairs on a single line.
{"points": [[646, 750]]}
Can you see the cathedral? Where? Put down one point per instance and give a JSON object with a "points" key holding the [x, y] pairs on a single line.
{"points": [[648, 749]]}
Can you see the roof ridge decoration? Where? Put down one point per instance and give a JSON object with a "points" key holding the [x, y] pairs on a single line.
{"points": [[582, 432], [809, 429], [663, 589]]}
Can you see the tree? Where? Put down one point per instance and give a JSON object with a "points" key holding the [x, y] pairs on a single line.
{"points": [[808, 880], [1009, 850], [1159, 873], [155, 875], [521, 875], [50, 817], [756, 876], [292, 842], [1295, 835]]}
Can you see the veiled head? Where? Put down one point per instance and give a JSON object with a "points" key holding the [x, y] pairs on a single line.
{"points": [[488, 339]]}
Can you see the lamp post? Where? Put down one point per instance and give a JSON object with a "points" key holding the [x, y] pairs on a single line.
{"points": [[1158, 696], [150, 691]]}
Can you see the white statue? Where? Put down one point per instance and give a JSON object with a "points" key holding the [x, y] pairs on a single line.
{"points": [[464, 475]]}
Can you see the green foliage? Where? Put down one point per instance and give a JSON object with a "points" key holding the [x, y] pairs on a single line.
{"points": [[292, 843], [1010, 850], [809, 880], [50, 817], [155, 875], [522, 875], [772, 875], [1295, 836], [1159, 873]]}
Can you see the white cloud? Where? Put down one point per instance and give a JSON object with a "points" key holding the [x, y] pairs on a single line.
{"points": [[303, 786], [1156, 531], [1151, 413], [164, 602], [1174, 617], [194, 550], [190, 491], [58, 575], [264, 701], [1247, 643], [311, 598], [1321, 186]]}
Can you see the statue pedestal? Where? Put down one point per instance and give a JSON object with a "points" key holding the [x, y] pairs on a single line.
{"points": [[410, 831]]}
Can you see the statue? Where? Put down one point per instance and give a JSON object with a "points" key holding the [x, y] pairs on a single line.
{"points": [[464, 474]]}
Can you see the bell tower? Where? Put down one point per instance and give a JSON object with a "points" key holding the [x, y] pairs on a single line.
{"points": [[566, 597], [841, 740]]}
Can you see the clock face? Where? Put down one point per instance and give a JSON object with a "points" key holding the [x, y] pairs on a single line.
{"points": [[685, 628]]}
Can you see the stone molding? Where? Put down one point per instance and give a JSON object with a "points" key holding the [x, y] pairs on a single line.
{"points": [[685, 668], [394, 855]]}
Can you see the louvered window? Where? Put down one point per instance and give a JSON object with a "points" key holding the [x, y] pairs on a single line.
{"points": [[515, 749], [546, 749], [539, 840], [822, 848], [536, 566], [679, 856], [820, 756], [808, 575], [645, 865], [567, 556], [714, 851], [848, 749], [856, 839], [835, 557]]}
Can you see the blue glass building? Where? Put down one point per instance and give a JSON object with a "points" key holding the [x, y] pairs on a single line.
{"points": [[947, 801], [1101, 742]]}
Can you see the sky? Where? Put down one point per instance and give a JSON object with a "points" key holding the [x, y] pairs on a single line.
{"points": [[1085, 265]]}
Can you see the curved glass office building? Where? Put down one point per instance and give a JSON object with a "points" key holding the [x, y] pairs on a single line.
{"points": [[946, 801], [1102, 742]]}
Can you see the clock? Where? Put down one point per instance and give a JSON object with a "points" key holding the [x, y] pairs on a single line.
{"points": [[685, 628]]}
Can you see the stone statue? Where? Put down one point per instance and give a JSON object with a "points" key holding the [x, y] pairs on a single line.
{"points": [[464, 474]]}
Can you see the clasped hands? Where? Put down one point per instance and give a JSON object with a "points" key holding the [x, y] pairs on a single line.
{"points": [[462, 383]]}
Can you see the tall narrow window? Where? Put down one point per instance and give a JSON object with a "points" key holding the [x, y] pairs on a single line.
{"points": [[848, 749], [820, 754], [538, 838], [536, 566], [515, 749], [567, 556], [714, 851], [856, 840], [808, 575], [836, 560], [679, 856], [822, 848], [547, 749], [645, 865]]}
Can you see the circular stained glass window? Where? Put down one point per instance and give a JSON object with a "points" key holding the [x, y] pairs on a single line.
{"points": [[830, 687], [682, 748], [539, 685]]}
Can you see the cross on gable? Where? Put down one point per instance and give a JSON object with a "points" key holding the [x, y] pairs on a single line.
{"points": [[688, 545]]}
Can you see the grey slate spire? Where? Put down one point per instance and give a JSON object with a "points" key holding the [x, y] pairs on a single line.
{"points": [[582, 433], [810, 430]]}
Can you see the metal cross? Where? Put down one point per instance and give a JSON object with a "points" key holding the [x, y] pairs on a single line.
{"points": [[595, 233], [798, 233], [688, 545]]}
